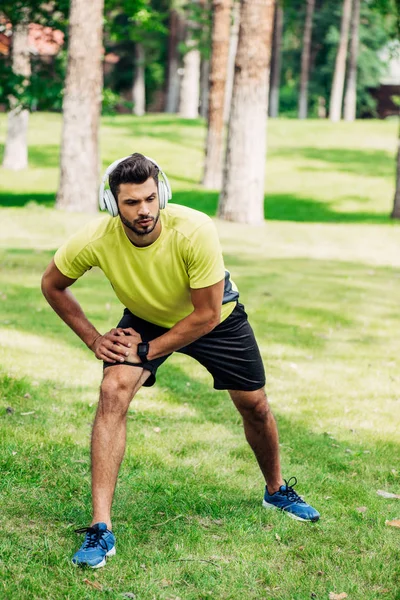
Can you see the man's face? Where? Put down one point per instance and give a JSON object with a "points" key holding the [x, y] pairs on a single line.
{"points": [[139, 207]]}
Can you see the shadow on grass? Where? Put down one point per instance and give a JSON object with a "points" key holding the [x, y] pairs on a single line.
{"points": [[277, 207], [19, 200], [287, 207]]}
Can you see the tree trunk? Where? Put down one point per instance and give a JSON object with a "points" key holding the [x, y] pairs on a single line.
{"points": [[350, 99], [242, 197], [190, 83], [16, 146], [335, 105], [396, 204], [233, 42], [212, 178], [138, 88], [175, 34], [276, 61], [305, 61], [78, 189], [204, 86]]}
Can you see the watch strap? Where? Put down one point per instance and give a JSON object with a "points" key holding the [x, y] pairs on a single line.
{"points": [[142, 350]]}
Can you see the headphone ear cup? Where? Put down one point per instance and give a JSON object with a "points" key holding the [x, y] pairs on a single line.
{"points": [[110, 203], [162, 194]]}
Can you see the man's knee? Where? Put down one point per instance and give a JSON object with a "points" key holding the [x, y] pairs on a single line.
{"points": [[116, 392], [253, 406]]}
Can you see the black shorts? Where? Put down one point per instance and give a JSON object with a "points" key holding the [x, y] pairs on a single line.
{"points": [[229, 352]]}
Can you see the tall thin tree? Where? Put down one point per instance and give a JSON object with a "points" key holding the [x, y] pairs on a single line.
{"points": [[16, 146], [233, 41], [396, 202], [81, 108], [305, 60], [335, 105], [242, 197], [213, 164], [204, 86], [276, 62], [350, 99], [173, 79], [138, 87], [190, 83]]}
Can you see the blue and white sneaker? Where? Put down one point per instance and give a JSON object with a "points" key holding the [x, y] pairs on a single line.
{"points": [[98, 545], [288, 500]]}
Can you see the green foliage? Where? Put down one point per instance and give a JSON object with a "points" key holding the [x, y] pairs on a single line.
{"points": [[113, 102], [128, 22], [43, 90], [47, 83], [37, 11], [377, 28], [199, 23]]}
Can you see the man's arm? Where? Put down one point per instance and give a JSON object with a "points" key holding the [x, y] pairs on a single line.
{"points": [[55, 289], [206, 315]]}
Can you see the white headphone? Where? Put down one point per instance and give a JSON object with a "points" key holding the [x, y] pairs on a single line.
{"points": [[109, 203]]}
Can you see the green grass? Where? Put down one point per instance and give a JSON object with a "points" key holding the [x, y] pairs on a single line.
{"points": [[321, 283]]}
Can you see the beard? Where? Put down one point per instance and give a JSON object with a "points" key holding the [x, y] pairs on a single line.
{"points": [[137, 228]]}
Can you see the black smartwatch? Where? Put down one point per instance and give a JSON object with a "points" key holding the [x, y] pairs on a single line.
{"points": [[142, 350]]}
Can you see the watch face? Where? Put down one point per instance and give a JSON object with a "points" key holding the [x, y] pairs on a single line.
{"points": [[143, 348]]}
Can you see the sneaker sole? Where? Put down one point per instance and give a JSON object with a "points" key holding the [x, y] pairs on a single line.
{"points": [[111, 552], [269, 506]]}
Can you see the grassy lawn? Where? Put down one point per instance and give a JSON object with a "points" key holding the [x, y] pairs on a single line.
{"points": [[321, 284]]}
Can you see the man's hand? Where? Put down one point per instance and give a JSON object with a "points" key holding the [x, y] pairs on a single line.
{"points": [[135, 339], [114, 346]]}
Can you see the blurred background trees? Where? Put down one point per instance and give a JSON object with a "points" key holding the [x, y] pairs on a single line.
{"points": [[328, 58], [154, 50]]}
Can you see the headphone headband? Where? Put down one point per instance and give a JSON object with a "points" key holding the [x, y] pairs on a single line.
{"points": [[106, 197]]}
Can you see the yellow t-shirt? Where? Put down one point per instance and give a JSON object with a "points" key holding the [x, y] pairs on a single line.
{"points": [[153, 282]]}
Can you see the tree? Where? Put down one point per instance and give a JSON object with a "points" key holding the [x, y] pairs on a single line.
{"points": [[173, 79], [305, 61], [396, 203], [16, 147], [204, 86], [138, 88], [335, 106], [190, 82], [79, 161], [212, 178], [350, 99], [233, 41], [276, 61], [242, 197]]}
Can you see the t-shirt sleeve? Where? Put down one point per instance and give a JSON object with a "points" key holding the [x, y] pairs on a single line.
{"points": [[205, 262], [76, 256]]}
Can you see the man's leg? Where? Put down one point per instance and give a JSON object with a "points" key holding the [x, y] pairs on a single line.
{"points": [[261, 433], [119, 385]]}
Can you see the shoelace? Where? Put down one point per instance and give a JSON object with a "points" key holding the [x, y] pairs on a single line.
{"points": [[93, 538], [290, 493]]}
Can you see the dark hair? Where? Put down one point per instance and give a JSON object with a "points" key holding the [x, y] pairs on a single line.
{"points": [[134, 169]]}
